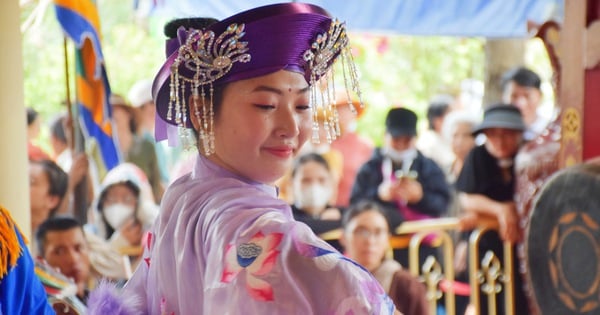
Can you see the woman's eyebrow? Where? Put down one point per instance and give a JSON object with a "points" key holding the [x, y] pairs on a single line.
{"points": [[266, 88]]}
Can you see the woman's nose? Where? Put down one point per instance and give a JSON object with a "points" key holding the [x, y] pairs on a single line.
{"points": [[287, 123]]}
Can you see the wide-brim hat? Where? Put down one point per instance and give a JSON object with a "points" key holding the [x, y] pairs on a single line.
{"points": [[401, 122], [253, 43], [505, 116], [140, 93]]}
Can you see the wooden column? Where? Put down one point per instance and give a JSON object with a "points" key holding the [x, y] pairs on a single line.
{"points": [[591, 114], [501, 55], [571, 89], [14, 183]]}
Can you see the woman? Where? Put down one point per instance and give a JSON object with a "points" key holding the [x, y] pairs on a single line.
{"points": [[223, 242], [136, 148], [313, 186], [486, 189], [366, 240], [458, 130], [124, 209]]}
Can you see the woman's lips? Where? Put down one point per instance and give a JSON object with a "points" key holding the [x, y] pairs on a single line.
{"points": [[283, 151]]}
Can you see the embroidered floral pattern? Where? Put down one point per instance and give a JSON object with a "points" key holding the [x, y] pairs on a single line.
{"points": [[256, 257]]}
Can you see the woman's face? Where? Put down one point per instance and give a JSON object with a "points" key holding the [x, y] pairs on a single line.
{"points": [[121, 118], [261, 125], [503, 143], [462, 140], [312, 173], [366, 239], [312, 184], [120, 193]]}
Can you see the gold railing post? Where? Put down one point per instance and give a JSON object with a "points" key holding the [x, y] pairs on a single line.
{"points": [[431, 270], [473, 266], [493, 271], [489, 276], [499, 276], [432, 274], [508, 279]]}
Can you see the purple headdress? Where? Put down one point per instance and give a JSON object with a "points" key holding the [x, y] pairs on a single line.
{"points": [[289, 36]]}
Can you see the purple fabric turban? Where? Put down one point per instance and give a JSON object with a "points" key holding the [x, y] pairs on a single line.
{"points": [[260, 41]]}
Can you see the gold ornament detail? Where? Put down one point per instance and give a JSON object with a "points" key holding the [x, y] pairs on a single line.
{"points": [[208, 57], [576, 226], [322, 53]]}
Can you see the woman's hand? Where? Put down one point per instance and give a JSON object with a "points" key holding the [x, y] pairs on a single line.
{"points": [[132, 231], [508, 222]]}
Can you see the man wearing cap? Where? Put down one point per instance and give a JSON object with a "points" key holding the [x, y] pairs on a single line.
{"points": [[486, 188], [407, 185]]}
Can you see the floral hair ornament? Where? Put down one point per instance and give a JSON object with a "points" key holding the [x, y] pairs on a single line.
{"points": [[297, 37], [320, 56], [208, 58]]}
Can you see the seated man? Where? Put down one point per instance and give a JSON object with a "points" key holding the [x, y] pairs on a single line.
{"points": [[62, 244]]}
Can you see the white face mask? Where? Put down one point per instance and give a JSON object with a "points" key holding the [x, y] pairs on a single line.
{"points": [[116, 214], [400, 156], [313, 196]]}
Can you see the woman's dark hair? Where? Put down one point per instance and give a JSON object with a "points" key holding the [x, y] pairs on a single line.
{"points": [[438, 107], [198, 23], [361, 207], [57, 129], [32, 114], [100, 206], [58, 180], [309, 157]]}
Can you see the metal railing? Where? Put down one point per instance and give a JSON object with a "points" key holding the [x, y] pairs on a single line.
{"points": [[488, 275]]}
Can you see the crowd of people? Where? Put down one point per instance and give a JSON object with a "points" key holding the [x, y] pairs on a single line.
{"points": [[251, 208]]}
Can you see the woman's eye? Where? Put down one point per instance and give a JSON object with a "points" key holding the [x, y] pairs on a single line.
{"points": [[303, 107], [264, 107]]}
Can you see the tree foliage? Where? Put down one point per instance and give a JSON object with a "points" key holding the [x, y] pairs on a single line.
{"points": [[394, 70], [407, 71]]}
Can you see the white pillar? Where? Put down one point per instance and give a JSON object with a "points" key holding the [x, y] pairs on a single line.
{"points": [[14, 176]]}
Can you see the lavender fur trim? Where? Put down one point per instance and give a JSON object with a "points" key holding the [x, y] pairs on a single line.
{"points": [[107, 299]]}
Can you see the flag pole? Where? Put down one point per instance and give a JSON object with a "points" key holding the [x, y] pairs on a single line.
{"points": [[68, 96], [78, 204]]}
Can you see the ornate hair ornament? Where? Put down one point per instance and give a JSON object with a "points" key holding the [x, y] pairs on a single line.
{"points": [[323, 52], [297, 37], [207, 58]]}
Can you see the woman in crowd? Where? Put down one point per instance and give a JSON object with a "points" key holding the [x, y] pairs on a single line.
{"points": [[366, 240], [124, 210], [313, 186]]}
